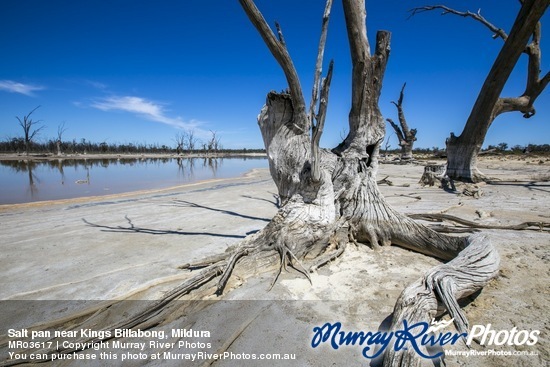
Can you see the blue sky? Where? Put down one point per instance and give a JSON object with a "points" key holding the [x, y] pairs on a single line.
{"points": [[130, 71]]}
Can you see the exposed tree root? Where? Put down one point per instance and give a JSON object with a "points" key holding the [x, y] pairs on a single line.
{"points": [[228, 268], [452, 229], [441, 286], [438, 217], [325, 259], [287, 255]]}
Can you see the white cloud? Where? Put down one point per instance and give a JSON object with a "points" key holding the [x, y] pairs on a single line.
{"points": [[15, 87], [142, 107]]}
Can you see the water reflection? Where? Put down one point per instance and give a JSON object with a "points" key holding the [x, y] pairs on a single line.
{"points": [[28, 180]]}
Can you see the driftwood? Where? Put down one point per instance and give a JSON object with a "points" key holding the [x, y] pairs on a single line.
{"points": [[384, 181]]}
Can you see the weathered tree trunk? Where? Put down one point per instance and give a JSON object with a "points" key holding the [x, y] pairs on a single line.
{"points": [[462, 151], [406, 136], [342, 202], [331, 197]]}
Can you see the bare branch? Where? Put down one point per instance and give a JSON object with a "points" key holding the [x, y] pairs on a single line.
{"points": [[498, 32], [30, 113], [438, 217], [280, 52], [317, 121], [367, 78], [400, 113], [60, 130], [401, 95], [319, 62], [26, 120], [397, 130], [318, 128], [534, 86], [36, 131]]}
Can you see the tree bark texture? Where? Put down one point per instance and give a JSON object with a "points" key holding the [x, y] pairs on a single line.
{"points": [[405, 135], [462, 151]]}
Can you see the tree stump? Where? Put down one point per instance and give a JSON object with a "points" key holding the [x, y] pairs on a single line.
{"points": [[433, 173]]}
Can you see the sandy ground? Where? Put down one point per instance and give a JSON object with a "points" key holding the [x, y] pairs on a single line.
{"points": [[72, 253]]}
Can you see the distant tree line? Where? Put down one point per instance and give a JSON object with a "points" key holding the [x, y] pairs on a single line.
{"points": [[498, 149], [517, 149], [185, 143], [83, 146]]}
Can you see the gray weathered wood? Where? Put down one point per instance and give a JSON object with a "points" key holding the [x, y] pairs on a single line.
{"points": [[439, 290]]}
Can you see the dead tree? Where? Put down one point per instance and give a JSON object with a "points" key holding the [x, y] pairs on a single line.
{"points": [[406, 136], [463, 150], [213, 144], [60, 130], [191, 140], [180, 140], [29, 132], [330, 198]]}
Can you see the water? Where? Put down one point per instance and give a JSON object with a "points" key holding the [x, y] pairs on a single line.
{"points": [[24, 181]]}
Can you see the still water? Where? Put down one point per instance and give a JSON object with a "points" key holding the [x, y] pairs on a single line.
{"points": [[28, 181]]}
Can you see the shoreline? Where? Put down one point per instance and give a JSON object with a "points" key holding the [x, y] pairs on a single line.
{"points": [[91, 156], [95, 198], [58, 250], [112, 180]]}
